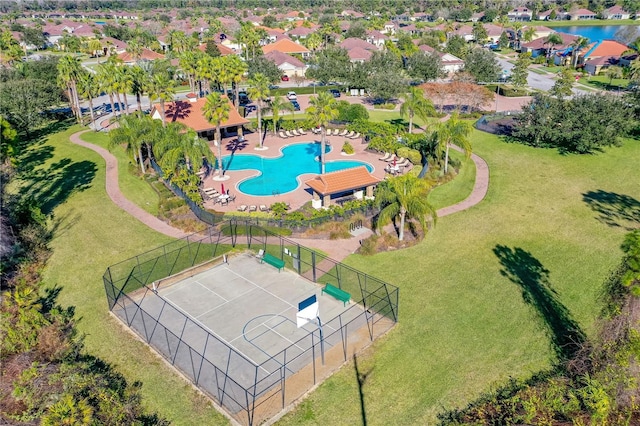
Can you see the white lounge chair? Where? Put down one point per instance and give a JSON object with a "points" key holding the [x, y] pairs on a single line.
{"points": [[252, 208], [288, 133], [282, 135], [242, 207], [351, 133], [357, 135], [302, 132], [344, 132], [263, 208], [295, 133], [385, 157]]}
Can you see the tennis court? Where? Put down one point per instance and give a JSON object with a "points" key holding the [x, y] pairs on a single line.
{"points": [[250, 307]]}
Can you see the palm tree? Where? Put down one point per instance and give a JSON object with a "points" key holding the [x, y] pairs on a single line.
{"points": [[88, 89], [188, 61], [529, 33], [415, 104], [259, 90], [124, 83], [94, 46], [577, 45], [613, 72], [216, 110], [132, 133], [69, 69], [139, 79], [180, 146], [278, 104], [452, 131], [552, 40], [238, 68], [105, 80], [322, 109], [134, 48], [404, 196], [162, 88]]}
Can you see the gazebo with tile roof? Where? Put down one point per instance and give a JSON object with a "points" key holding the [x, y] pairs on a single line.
{"points": [[342, 184]]}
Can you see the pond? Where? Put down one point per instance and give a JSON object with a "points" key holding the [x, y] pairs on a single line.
{"points": [[596, 32]]}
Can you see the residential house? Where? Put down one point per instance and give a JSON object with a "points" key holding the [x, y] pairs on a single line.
{"points": [[352, 43], [376, 38], [493, 32], [520, 14], [358, 54], [287, 46], [450, 63], [421, 17], [190, 113], [540, 46], [112, 46], [288, 64], [582, 15], [300, 33], [224, 50], [146, 55], [465, 31], [591, 56], [476, 17], [352, 14], [389, 28], [615, 12], [546, 15], [413, 30]]}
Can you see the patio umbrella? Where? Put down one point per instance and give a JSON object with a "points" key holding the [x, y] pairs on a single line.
{"points": [[223, 188], [394, 161]]}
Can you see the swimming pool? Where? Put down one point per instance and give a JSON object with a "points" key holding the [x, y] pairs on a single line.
{"points": [[280, 175]]}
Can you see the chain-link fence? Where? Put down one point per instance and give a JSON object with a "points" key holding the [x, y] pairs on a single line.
{"points": [[249, 392]]}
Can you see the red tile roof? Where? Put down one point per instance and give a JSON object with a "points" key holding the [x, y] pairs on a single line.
{"points": [[147, 54], [280, 58], [190, 114], [286, 46], [342, 180], [224, 50], [605, 48]]}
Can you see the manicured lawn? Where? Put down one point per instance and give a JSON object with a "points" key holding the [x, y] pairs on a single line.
{"points": [[457, 189], [587, 23], [602, 82], [463, 325], [132, 185], [92, 233]]}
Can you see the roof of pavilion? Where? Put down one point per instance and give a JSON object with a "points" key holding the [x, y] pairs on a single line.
{"points": [[342, 180], [190, 114]]}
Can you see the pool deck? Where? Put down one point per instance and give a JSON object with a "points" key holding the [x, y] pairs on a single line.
{"points": [[273, 143]]}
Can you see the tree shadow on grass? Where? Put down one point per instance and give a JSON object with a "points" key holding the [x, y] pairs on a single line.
{"points": [[615, 210], [52, 186], [533, 278]]}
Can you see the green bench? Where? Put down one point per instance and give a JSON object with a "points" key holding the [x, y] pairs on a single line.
{"points": [[273, 261], [337, 293]]}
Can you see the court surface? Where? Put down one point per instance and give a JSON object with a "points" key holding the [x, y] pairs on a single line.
{"points": [[252, 308]]}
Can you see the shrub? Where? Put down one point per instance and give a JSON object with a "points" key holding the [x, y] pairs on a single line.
{"points": [[412, 154], [347, 148], [388, 106], [351, 112]]}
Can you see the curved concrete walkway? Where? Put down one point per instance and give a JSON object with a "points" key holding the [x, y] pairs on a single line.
{"points": [[113, 190], [336, 249]]}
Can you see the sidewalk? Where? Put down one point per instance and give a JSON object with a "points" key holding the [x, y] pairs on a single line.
{"points": [[335, 249]]}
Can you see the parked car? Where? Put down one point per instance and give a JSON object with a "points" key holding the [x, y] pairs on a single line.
{"points": [[292, 96], [249, 109], [296, 105], [243, 98], [335, 93], [285, 78]]}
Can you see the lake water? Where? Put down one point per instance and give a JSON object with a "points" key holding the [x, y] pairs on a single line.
{"points": [[595, 32]]}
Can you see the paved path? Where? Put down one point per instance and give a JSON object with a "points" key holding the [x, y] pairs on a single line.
{"points": [[335, 249], [113, 190]]}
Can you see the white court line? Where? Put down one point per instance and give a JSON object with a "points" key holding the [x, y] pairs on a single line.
{"points": [[262, 323], [207, 288], [195, 320]]}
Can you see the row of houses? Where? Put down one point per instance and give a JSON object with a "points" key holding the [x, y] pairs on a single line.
{"points": [[520, 14]]}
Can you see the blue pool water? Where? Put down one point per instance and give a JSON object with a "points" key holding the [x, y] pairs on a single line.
{"points": [[280, 175], [594, 32]]}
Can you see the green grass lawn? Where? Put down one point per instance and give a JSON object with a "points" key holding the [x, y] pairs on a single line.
{"points": [[463, 325], [92, 233], [602, 82], [588, 23], [132, 185]]}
